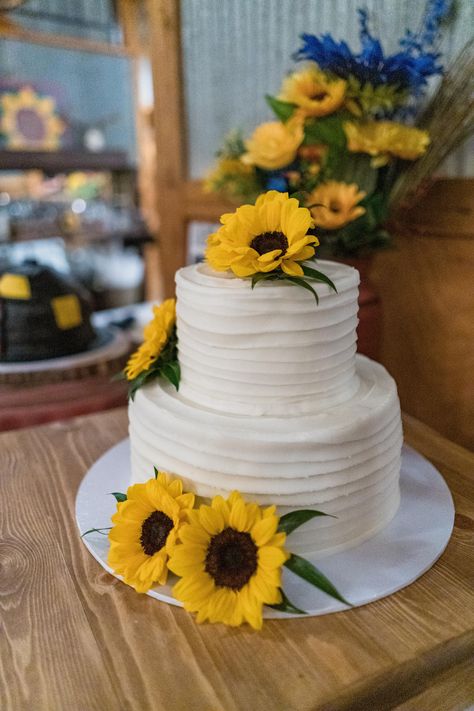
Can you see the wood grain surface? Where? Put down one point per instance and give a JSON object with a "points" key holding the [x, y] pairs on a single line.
{"points": [[73, 637]]}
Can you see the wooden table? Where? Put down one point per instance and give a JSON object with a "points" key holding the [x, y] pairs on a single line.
{"points": [[74, 638]]}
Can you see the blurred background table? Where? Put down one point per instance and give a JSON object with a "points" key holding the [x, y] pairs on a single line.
{"points": [[74, 637]]}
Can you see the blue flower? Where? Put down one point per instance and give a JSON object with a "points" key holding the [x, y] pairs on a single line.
{"points": [[277, 182], [407, 69]]}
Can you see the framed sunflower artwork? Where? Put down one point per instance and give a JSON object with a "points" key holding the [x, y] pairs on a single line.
{"points": [[30, 121]]}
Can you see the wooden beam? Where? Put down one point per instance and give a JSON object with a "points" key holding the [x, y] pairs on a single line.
{"points": [[14, 31], [169, 127], [129, 18], [200, 205]]}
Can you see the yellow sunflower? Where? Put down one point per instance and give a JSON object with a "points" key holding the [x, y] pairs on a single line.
{"points": [[145, 530], [156, 335], [30, 121], [383, 139], [313, 92], [269, 235], [274, 144], [338, 204], [229, 561]]}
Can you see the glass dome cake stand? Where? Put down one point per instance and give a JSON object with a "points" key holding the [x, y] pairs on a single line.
{"points": [[389, 561]]}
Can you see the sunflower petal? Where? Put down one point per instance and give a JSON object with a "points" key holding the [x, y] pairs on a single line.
{"points": [[264, 530], [211, 519], [271, 557], [292, 268]]}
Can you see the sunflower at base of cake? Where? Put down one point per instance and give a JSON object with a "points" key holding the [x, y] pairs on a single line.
{"points": [[273, 400], [43, 314]]}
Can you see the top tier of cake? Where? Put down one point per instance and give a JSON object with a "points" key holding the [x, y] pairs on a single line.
{"points": [[267, 351]]}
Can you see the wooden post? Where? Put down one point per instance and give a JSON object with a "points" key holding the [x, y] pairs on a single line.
{"points": [[169, 127]]}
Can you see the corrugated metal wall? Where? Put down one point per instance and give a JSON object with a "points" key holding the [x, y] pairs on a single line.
{"points": [[236, 51]]}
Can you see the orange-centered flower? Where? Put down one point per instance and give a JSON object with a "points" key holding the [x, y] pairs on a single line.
{"points": [[337, 204]]}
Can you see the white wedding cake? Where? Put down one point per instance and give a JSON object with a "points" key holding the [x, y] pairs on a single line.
{"points": [[274, 402]]}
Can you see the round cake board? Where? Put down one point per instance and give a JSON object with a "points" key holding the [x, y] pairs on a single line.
{"points": [[391, 560]]}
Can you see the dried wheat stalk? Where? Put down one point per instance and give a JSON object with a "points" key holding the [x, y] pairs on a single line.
{"points": [[449, 119]]}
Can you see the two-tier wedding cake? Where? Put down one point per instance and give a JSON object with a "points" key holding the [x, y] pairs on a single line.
{"points": [[274, 402]]}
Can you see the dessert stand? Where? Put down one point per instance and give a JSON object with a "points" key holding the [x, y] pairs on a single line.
{"points": [[389, 561], [104, 356]]}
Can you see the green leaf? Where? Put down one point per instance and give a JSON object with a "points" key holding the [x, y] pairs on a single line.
{"points": [[291, 521], [118, 376], [300, 196], [96, 530], [156, 472], [172, 372], [328, 130], [356, 168], [286, 606], [299, 281], [319, 276], [282, 109], [264, 276], [306, 570], [119, 496]]}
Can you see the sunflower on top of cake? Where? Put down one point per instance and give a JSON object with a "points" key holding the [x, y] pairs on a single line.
{"points": [[270, 240]]}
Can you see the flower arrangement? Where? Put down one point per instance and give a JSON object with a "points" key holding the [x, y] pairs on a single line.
{"points": [[228, 555], [342, 135], [158, 354]]}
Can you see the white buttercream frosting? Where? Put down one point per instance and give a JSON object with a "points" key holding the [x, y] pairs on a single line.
{"points": [[262, 351], [275, 403]]}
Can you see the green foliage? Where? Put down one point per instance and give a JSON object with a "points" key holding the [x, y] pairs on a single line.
{"points": [[286, 606], [166, 365], [306, 570], [301, 281], [353, 168], [369, 100], [327, 130], [283, 110], [233, 145], [119, 497], [318, 276], [97, 530], [293, 520]]}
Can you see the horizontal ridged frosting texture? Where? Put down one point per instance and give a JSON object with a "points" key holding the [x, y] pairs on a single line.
{"points": [[344, 461], [274, 402], [270, 350]]}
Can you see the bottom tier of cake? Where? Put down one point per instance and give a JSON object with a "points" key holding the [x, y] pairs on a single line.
{"points": [[344, 461]]}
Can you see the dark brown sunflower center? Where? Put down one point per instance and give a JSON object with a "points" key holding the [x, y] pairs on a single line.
{"points": [[334, 206], [268, 241], [319, 96], [231, 558], [155, 530]]}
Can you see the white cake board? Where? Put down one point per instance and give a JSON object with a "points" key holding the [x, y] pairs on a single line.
{"points": [[388, 562]]}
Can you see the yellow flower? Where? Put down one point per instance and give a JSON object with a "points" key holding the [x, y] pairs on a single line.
{"points": [[313, 92], [274, 144], [229, 561], [156, 335], [383, 139], [269, 235], [41, 114], [339, 204], [146, 527]]}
